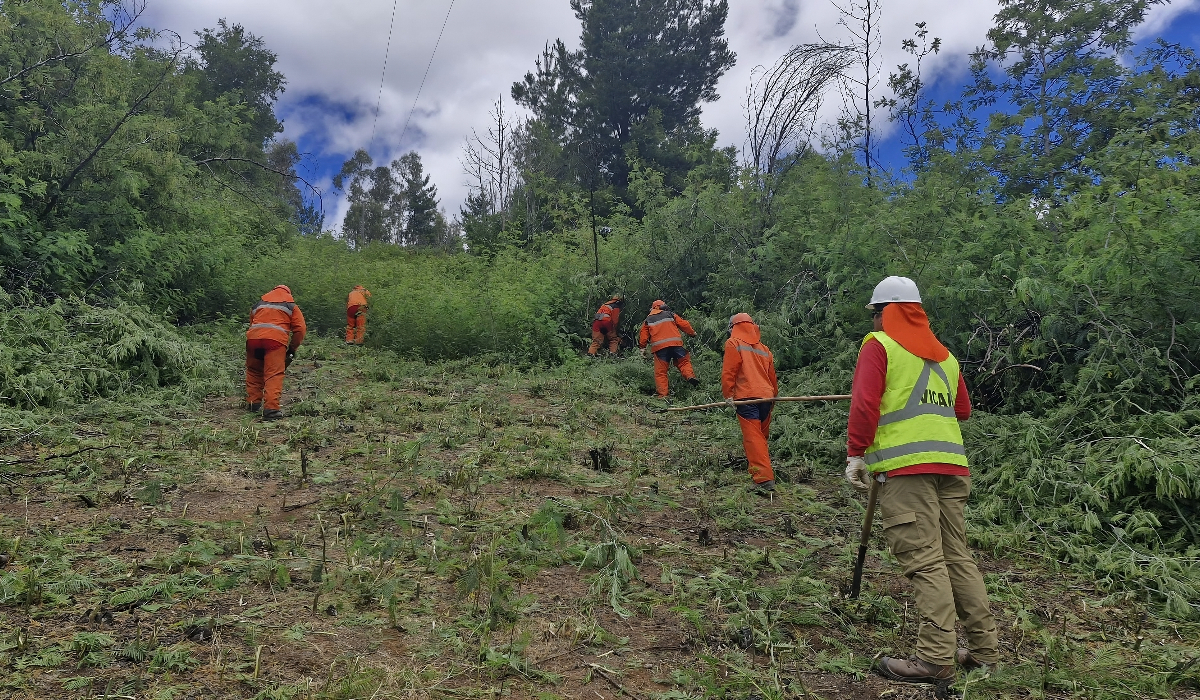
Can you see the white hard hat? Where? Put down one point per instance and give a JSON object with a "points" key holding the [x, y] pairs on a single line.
{"points": [[895, 289]]}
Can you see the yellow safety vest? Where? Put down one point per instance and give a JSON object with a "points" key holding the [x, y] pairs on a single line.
{"points": [[917, 424]]}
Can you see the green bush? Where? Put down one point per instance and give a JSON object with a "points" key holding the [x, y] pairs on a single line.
{"points": [[426, 304]]}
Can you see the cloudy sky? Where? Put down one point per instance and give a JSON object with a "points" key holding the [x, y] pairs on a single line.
{"points": [[333, 56]]}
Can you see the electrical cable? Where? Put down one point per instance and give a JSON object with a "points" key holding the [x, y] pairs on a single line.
{"points": [[427, 66], [386, 52]]}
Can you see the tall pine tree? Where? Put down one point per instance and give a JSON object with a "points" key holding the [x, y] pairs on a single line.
{"points": [[639, 60], [423, 226], [235, 64]]}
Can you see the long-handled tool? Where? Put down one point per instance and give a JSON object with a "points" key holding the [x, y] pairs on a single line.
{"points": [[856, 584], [780, 399]]}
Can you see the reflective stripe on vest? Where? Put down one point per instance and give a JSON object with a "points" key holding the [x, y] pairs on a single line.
{"points": [[270, 325], [286, 308], [602, 317], [915, 407], [917, 424], [756, 351], [659, 319], [914, 448]]}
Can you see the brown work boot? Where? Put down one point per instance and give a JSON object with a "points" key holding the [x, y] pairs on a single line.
{"points": [[912, 670], [968, 661]]}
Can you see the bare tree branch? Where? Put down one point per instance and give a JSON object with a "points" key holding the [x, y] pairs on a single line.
{"points": [[288, 175], [782, 104]]}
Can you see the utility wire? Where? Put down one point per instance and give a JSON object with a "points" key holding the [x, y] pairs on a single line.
{"points": [[386, 52], [427, 66]]}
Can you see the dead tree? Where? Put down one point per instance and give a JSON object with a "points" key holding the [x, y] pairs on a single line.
{"points": [[781, 110], [490, 163], [862, 20]]}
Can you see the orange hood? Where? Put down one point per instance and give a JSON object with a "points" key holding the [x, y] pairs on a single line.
{"points": [[747, 332], [908, 325], [279, 294]]}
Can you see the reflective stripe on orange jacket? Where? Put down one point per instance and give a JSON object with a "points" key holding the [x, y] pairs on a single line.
{"points": [[608, 312], [359, 296], [662, 330], [748, 370], [276, 317]]}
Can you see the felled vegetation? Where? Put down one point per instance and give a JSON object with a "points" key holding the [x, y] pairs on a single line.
{"points": [[438, 530], [69, 359]]}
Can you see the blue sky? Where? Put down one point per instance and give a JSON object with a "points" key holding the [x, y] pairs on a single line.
{"points": [[332, 55], [1182, 28]]}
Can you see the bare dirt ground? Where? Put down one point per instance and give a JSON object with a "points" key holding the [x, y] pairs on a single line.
{"points": [[440, 531]]}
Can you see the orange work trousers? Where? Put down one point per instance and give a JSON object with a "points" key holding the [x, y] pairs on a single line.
{"points": [[662, 365], [603, 338], [755, 420], [356, 324], [266, 361]]}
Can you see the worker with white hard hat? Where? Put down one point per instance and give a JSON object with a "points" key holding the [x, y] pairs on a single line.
{"points": [[907, 399]]}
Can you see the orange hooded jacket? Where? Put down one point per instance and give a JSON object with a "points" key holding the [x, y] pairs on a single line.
{"points": [[748, 370], [359, 296], [276, 317], [663, 329], [609, 312]]}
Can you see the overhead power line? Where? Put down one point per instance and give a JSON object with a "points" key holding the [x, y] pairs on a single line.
{"points": [[427, 66], [386, 52]]}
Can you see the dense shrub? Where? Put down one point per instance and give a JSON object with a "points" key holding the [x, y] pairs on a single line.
{"points": [[427, 304]]}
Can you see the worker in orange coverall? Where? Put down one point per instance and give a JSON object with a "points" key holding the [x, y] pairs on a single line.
{"points": [[276, 330], [604, 326], [663, 331], [356, 315], [748, 372]]}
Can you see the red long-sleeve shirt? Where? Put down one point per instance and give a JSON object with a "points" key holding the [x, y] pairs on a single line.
{"points": [[870, 375]]}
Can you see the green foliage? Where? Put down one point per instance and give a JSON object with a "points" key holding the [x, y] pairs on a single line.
{"points": [[1062, 74], [616, 573], [234, 64], [123, 167], [614, 94], [429, 305], [70, 352], [392, 204]]}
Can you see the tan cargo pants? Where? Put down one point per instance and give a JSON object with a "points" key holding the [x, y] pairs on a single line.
{"points": [[923, 519]]}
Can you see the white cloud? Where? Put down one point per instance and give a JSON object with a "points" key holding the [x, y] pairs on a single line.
{"points": [[332, 54], [1160, 16], [754, 32]]}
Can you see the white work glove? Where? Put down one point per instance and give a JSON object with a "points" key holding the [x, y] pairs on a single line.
{"points": [[856, 472]]}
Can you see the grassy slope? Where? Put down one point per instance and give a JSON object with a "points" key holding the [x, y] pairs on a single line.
{"points": [[453, 540]]}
